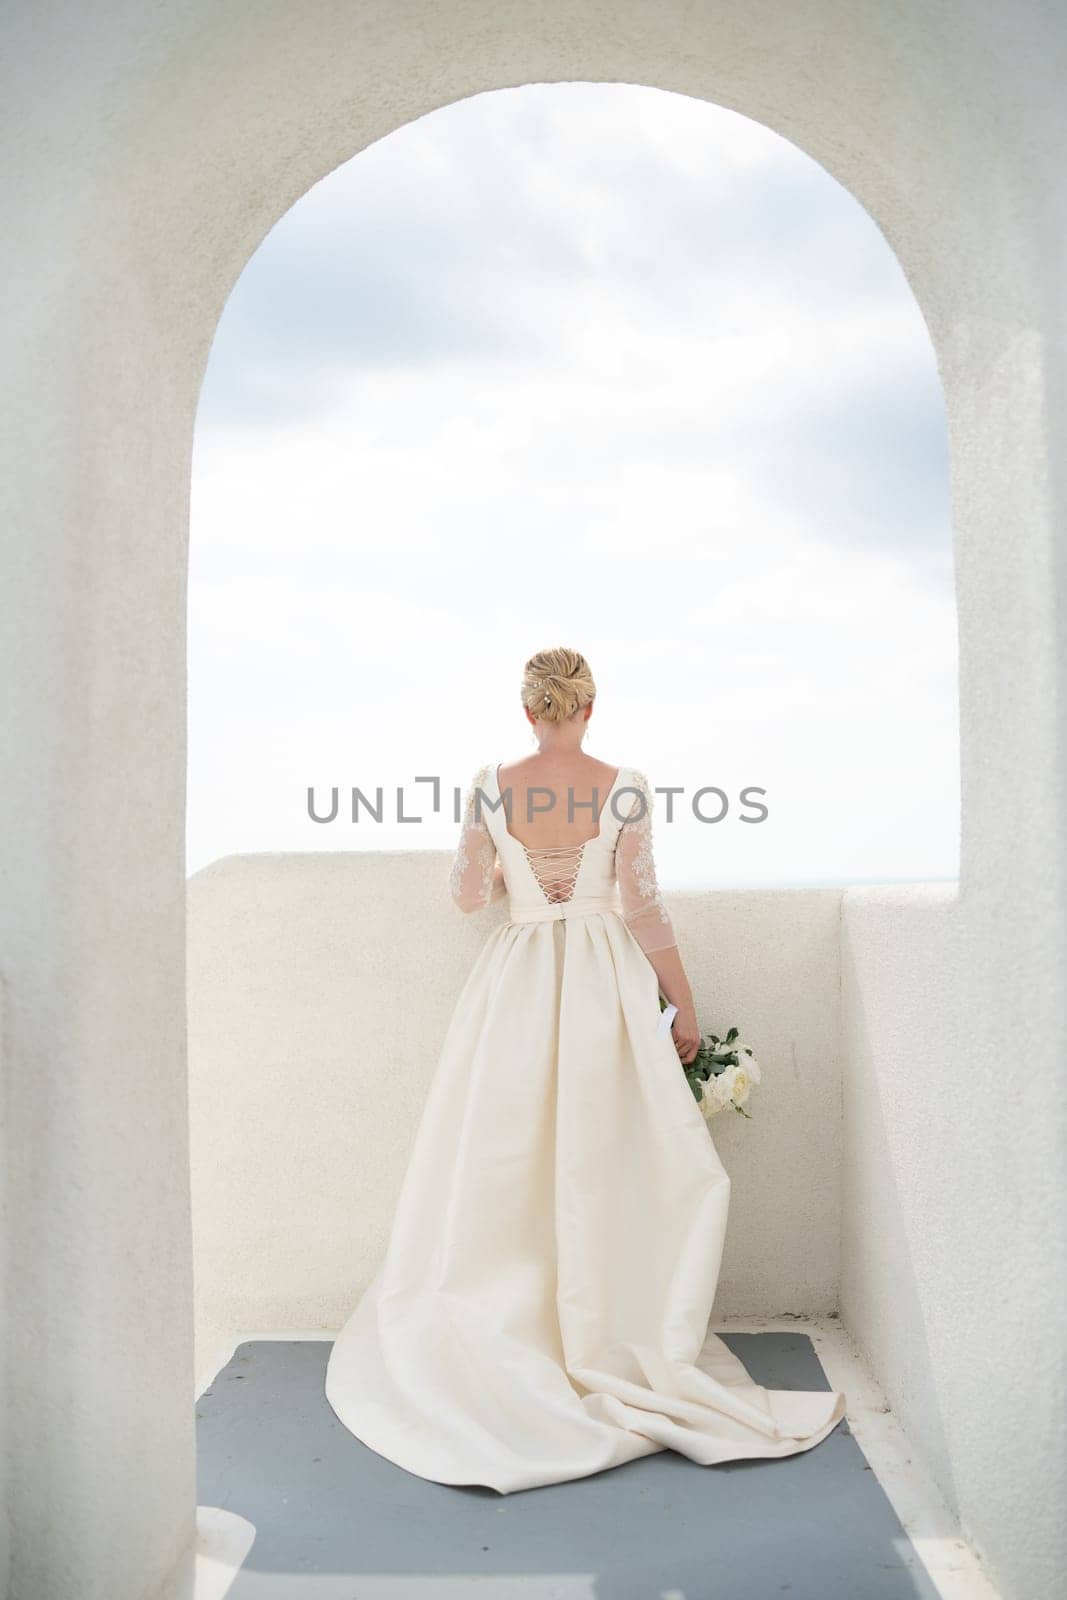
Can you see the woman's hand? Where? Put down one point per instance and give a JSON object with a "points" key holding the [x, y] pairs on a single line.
{"points": [[686, 1033]]}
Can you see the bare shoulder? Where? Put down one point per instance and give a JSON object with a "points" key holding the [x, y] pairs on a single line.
{"points": [[584, 769], [605, 772]]}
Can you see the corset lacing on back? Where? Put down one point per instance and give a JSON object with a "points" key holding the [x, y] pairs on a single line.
{"points": [[555, 866]]}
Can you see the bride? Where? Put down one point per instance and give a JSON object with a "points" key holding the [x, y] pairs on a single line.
{"points": [[541, 1312]]}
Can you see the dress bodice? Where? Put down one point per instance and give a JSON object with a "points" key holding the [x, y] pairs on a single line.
{"points": [[611, 870]]}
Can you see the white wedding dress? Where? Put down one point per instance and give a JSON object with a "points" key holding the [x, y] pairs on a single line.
{"points": [[542, 1309]]}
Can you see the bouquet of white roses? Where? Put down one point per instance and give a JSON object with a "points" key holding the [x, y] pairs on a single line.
{"points": [[721, 1073]]}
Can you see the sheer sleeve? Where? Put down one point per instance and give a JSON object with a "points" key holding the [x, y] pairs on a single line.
{"points": [[475, 877], [643, 909]]}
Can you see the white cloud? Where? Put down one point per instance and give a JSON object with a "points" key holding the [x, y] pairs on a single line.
{"points": [[587, 364]]}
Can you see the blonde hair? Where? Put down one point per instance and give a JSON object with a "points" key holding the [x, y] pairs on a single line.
{"points": [[556, 684]]}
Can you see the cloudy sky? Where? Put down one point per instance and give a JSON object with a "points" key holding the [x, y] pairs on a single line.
{"points": [[584, 364]]}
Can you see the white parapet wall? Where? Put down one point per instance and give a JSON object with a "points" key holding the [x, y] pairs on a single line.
{"points": [[916, 1176], [319, 990], [867, 1184], [945, 1218]]}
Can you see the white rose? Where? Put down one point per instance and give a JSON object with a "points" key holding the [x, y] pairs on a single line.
{"points": [[736, 1084], [751, 1066], [713, 1098]]}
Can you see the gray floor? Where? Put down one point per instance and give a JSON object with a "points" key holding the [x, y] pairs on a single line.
{"points": [[335, 1521]]}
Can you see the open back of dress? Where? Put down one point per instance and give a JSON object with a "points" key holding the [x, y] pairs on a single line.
{"points": [[555, 866]]}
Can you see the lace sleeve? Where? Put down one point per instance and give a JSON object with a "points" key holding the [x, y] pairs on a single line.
{"points": [[643, 909], [475, 878]]}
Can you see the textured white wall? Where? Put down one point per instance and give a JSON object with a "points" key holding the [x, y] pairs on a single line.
{"points": [[919, 1287], [150, 150], [320, 987], [950, 1244]]}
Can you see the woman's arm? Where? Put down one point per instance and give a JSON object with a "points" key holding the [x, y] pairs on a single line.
{"points": [[475, 877], [674, 984], [648, 919]]}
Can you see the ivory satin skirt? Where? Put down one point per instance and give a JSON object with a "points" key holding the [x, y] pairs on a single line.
{"points": [[541, 1312]]}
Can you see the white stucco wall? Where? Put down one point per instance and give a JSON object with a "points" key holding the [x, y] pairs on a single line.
{"points": [[320, 987], [149, 150], [919, 1289], [943, 1230]]}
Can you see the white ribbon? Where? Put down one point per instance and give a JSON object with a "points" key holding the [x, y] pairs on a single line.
{"points": [[669, 1014]]}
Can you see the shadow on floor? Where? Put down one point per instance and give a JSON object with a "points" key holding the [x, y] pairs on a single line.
{"points": [[336, 1521]]}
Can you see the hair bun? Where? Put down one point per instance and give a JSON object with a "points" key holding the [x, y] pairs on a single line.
{"points": [[556, 684]]}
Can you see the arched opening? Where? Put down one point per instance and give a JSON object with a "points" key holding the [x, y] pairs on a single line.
{"points": [[772, 425], [611, 362]]}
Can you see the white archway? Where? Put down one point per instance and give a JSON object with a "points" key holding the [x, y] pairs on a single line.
{"points": [[155, 151]]}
